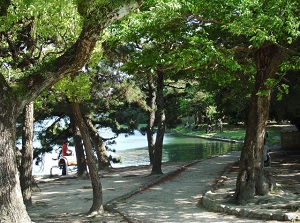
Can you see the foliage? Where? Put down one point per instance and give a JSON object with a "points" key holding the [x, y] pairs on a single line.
{"points": [[78, 87], [32, 34], [232, 132]]}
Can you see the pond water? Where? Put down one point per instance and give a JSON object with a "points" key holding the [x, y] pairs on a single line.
{"points": [[175, 149], [133, 151]]}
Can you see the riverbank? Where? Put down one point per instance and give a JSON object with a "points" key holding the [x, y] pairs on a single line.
{"points": [[235, 133]]}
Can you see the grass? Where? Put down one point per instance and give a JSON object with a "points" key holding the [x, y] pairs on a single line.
{"points": [[233, 132]]}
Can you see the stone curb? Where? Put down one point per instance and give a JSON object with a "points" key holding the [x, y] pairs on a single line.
{"points": [[218, 202]]}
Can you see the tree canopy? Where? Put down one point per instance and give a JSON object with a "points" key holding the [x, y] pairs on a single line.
{"points": [[220, 43]]}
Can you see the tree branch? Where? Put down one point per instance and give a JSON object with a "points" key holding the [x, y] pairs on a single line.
{"points": [[75, 57]]}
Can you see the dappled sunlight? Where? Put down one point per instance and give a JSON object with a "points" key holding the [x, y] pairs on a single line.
{"points": [[157, 188], [119, 181], [179, 197], [183, 201]]}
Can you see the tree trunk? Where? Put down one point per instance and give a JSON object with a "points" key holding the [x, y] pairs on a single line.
{"points": [[150, 126], [157, 159], [91, 161], [251, 180], [103, 161], [12, 208], [27, 154], [80, 157]]}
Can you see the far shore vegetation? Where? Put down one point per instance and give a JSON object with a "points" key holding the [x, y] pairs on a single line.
{"points": [[233, 132]]}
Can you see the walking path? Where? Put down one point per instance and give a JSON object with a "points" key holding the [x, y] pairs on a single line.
{"points": [[179, 195], [179, 198]]}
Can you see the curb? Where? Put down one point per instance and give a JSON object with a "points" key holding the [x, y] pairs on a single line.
{"points": [[218, 202]]}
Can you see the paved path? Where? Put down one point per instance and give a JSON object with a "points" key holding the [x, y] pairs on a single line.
{"points": [[177, 198], [172, 197]]}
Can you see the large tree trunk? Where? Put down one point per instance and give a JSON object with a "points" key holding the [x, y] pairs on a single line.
{"points": [[151, 121], [91, 161], [103, 161], [251, 180], [27, 154], [80, 156], [12, 208], [157, 159]]}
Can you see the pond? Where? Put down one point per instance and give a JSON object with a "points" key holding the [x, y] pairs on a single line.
{"points": [[133, 151]]}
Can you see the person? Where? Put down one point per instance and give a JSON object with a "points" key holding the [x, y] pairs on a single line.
{"points": [[267, 156], [265, 137], [220, 124], [187, 125], [208, 129], [65, 150], [196, 127]]}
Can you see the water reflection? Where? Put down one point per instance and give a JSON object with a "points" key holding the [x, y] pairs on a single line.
{"points": [[187, 149], [133, 151], [176, 149]]}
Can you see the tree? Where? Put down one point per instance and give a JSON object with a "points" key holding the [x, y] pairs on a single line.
{"points": [[251, 179], [24, 87], [27, 154], [91, 160], [80, 156], [262, 35], [224, 41], [103, 160], [151, 57]]}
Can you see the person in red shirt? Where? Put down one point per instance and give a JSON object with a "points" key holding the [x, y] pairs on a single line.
{"points": [[65, 150]]}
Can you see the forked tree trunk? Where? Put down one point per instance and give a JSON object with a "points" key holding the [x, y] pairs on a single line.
{"points": [[80, 156], [157, 158], [91, 161], [103, 161], [251, 180], [27, 154], [150, 127]]}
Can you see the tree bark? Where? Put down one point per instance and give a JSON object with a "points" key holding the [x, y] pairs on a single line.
{"points": [[80, 156], [251, 180], [12, 208], [151, 121], [91, 161], [157, 158], [27, 154], [103, 161]]}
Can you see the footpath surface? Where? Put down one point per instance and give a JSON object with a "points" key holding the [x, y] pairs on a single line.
{"points": [[194, 192], [204, 185]]}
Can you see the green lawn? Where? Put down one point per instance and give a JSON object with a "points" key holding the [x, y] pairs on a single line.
{"points": [[231, 132]]}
